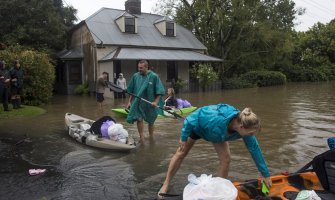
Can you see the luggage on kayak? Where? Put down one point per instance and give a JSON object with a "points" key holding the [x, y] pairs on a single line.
{"points": [[99, 127]]}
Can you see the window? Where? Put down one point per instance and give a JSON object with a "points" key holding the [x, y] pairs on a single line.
{"points": [[169, 29], [171, 71], [129, 24], [74, 72]]}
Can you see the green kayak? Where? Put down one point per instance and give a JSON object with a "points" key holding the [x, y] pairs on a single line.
{"points": [[183, 111]]}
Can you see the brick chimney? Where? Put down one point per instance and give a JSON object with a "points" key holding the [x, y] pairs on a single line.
{"points": [[133, 6]]}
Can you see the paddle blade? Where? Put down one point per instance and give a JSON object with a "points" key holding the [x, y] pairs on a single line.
{"points": [[114, 87], [265, 189]]}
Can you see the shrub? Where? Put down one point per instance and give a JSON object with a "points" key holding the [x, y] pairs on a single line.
{"points": [[39, 73], [236, 83], [82, 89], [205, 74], [302, 74], [178, 85], [264, 78]]}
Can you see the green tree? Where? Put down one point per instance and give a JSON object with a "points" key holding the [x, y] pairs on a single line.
{"points": [[247, 35], [41, 24], [314, 54]]}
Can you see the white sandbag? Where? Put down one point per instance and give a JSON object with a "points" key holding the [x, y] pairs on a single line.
{"points": [[118, 133], [207, 187]]}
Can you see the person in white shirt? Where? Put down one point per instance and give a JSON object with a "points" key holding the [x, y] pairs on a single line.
{"points": [[122, 83]]}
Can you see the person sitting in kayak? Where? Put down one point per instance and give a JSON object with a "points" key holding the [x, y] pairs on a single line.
{"points": [[218, 124], [170, 102]]}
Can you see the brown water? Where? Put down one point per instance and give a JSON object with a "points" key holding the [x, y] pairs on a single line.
{"points": [[296, 121]]}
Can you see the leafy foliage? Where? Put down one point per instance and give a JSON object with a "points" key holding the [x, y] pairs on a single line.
{"points": [[39, 73], [247, 35], [41, 24], [236, 83], [205, 74], [82, 89], [264, 78]]}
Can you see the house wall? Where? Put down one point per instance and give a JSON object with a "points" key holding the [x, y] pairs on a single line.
{"points": [[120, 23], [161, 26]]}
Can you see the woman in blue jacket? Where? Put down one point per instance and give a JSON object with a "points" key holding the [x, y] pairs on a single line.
{"points": [[218, 124]]}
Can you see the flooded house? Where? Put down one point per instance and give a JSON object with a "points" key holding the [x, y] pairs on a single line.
{"points": [[113, 41]]}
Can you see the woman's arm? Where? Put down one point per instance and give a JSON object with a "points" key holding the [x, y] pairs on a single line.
{"points": [[256, 154]]}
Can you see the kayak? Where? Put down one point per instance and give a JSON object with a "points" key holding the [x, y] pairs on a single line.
{"points": [[284, 187], [78, 129], [183, 111]]}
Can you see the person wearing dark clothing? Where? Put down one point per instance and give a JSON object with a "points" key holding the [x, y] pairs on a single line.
{"points": [[4, 86], [171, 101], [16, 76]]}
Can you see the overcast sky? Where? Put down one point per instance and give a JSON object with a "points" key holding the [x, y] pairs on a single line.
{"points": [[316, 10]]}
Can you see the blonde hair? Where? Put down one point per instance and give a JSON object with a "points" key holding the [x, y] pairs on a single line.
{"points": [[248, 119], [172, 91]]}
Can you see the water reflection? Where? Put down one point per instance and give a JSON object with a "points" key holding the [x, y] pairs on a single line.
{"points": [[296, 118]]}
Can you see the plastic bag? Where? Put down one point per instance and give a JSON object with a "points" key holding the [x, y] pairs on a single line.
{"points": [[307, 195], [118, 133], [207, 187], [104, 128]]}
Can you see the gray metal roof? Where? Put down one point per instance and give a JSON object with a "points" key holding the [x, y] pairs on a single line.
{"points": [[103, 28], [71, 54], [158, 54]]}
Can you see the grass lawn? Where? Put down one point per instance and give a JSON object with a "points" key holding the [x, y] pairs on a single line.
{"points": [[26, 111]]}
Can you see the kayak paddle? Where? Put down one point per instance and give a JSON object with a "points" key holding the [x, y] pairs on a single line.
{"points": [[116, 88]]}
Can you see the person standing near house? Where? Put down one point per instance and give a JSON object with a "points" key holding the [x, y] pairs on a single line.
{"points": [[122, 83], [147, 85], [100, 88], [4, 85], [16, 76]]}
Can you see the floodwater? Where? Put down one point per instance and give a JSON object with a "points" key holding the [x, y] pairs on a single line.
{"points": [[296, 119]]}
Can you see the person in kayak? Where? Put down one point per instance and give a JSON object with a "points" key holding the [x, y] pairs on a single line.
{"points": [[170, 102], [147, 85], [218, 124]]}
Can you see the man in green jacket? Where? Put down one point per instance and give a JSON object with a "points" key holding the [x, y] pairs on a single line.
{"points": [[147, 85]]}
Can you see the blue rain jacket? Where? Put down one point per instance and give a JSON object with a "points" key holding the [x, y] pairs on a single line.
{"points": [[211, 124]]}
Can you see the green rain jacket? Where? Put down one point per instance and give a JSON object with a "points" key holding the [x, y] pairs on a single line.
{"points": [[211, 124], [147, 87]]}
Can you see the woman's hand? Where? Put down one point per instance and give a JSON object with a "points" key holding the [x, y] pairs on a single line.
{"points": [[268, 182]]}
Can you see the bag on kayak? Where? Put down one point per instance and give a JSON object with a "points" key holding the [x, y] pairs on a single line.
{"points": [[104, 128], [118, 133], [96, 126], [183, 103], [209, 188]]}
